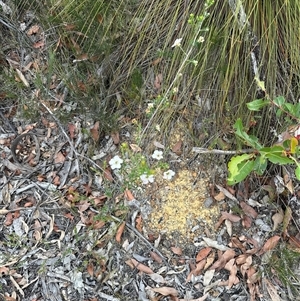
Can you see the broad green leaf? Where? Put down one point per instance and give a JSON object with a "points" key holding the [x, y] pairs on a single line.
{"points": [[236, 160], [290, 108], [279, 101], [249, 139], [279, 158], [260, 165], [244, 169], [257, 104], [297, 173]]}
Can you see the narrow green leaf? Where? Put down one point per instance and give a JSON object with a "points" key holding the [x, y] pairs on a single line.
{"points": [[290, 108], [257, 104], [297, 173], [279, 158]]}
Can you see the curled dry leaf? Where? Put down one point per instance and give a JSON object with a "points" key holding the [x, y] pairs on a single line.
{"points": [[95, 131], [197, 270], [227, 193], [141, 267], [120, 232], [232, 268], [129, 196], [157, 278], [115, 137], [177, 148], [220, 196]]}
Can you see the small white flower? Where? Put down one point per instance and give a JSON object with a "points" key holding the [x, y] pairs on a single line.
{"points": [[168, 175], [115, 162], [200, 40], [158, 155], [147, 178], [177, 43], [175, 90]]}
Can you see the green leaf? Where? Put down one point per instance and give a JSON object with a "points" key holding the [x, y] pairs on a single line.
{"points": [[279, 101], [297, 173], [260, 165], [237, 168], [244, 169], [279, 157], [290, 108], [249, 139], [257, 104]]}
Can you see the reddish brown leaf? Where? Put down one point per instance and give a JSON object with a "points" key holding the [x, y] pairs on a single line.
{"points": [[271, 243], [158, 81], [107, 175], [9, 219], [177, 148], [248, 210], [156, 257], [141, 267], [286, 220], [95, 131], [69, 216], [203, 253], [197, 270], [59, 158], [139, 223], [247, 221], [90, 269], [221, 262], [232, 268], [231, 217], [115, 137], [129, 196], [220, 196], [177, 251], [72, 129], [294, 241], [120, 232]]}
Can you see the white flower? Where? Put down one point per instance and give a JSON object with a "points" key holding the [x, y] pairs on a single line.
{"points": [[168, 175], [115, 162], [200, 40], [147, 178], [177, 43], [158, 155]]}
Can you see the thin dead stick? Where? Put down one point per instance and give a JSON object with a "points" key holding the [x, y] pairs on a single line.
{"points": [[201, 150]]}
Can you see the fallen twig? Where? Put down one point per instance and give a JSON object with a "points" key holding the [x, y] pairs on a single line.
{"points": [[201, 150]]}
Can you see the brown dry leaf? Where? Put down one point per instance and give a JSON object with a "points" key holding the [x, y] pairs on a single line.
{"points": [[177, 251], [83, 206], [246, 266], [227, 193], [129, 196], [98, 224], [248, 210], [69, 216], [247, 221], [158, 81], [286, 220], [115, 137], [141, 267], [220, 196], [22, 78], [203, 253], [95, 131], [90, 269], [156, 257], [221, 262], [130, 263], [231, 217], [209, 260], [72, 130], [107, 175], [294, 242], [287, 181], [232, 268], [120, 232], [165, 291], [9, 219], [236, 243], [177, 148], [59, 158], [135, 148], [156, 61], [277, 219], [270, 244], [197, 270]]}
